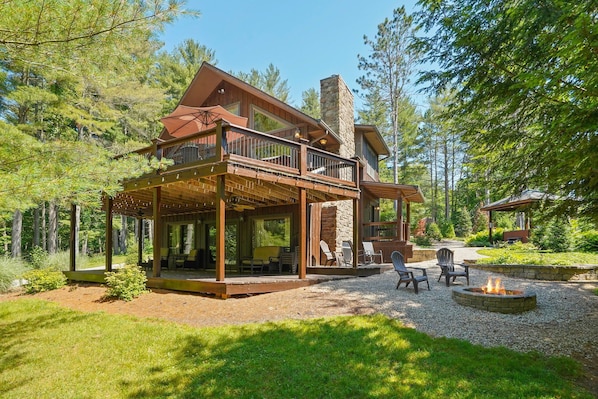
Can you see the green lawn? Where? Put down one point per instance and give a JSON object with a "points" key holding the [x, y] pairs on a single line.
{"points": [[47, 351]]}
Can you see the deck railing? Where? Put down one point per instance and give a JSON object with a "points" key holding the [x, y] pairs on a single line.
{"points": [[384, 231], [260, 148]]}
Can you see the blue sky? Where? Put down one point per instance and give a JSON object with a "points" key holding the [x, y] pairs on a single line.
{"points": [[307, 40]]}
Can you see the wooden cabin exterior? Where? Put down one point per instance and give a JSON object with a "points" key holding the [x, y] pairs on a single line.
{"points": [[227, 184]]}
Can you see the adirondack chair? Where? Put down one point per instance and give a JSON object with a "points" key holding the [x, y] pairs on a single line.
{"points": [[369, 254], [405, 275], [447, 265], [348, 253], [330, 256]]}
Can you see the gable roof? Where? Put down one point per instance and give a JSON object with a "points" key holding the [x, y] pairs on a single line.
{"points": [[374, 138], [521, 201], [208, 78]]}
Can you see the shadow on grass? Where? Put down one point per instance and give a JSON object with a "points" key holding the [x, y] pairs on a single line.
{"points": [[351, 357], [48, 352]]}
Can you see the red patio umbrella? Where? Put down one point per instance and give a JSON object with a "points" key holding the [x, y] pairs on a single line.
{"points": [[185, 120]]}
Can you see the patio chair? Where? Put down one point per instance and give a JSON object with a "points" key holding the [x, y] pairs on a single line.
{"points": [[347, 253], [164, 257], [192, 261], [447, 265], [369, 254], [262, 257], [330, 256], [405, 275]]}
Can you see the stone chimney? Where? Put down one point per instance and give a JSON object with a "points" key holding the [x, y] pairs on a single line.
{"points": [[336, 105]]}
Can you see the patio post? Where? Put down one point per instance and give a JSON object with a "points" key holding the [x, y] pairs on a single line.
{"points": [[302, 233], [220, 226], [156, 267], [356, 235], [400, 233], [73, 240], [139, 240], [490, 227], [109, 203]]}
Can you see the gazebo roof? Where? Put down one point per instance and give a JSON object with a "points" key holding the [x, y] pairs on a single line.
{"points": [[519, 202]]}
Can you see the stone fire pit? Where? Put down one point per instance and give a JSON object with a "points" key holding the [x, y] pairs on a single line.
{"points": [[506, 301]]}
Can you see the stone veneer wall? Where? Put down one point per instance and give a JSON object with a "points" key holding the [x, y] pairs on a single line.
{"points": [[336, 104], [537, 272]]}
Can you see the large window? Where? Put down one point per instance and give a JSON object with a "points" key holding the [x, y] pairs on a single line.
{"points": [[370, 156], [230, 247], [263, 121], [274, 231], [181, 237]]}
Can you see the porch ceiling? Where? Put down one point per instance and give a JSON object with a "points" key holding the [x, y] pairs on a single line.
{"points": [[394, 191], [194, 191]]}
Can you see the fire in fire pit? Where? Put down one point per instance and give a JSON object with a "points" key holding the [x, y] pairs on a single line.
{"points": [[493, 297]]}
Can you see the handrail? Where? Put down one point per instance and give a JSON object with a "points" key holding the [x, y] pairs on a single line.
{"points": [[262, 148]]}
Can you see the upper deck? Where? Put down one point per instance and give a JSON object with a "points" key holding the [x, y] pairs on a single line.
{"points": [[261, 170]]}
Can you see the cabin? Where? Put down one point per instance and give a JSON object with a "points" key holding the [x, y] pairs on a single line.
{"points": [[252, 185]]}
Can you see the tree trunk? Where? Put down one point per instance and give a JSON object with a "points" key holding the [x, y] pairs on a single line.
{"points": [[43, 231], [77, 228], [446, 182], [52, 228], [17, 229], [122, 236], [115, 246], [36, 214]]}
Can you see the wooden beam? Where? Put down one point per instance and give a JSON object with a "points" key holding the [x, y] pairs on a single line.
{"points": [[302, 233], [400, 219], [220, 227], [73, 240], [109, 203], [156, 203], [356, 235], [139, 241]]}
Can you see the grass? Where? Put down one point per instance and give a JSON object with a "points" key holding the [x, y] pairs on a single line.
{"points": [[47, 351], [523, 255]]}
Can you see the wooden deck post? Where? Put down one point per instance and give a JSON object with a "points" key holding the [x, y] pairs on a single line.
{"points": [[490, 227], [109, 243], [139, 240], [356, 235], [156, 203], [220, 227], [400, 232], [73, 240], [408, 228], [302, 233]]}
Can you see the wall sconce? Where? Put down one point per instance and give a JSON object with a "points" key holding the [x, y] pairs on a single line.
{"points": [[241, 218], [199, 221], [297, 133], [221, 90], [377, 207]]}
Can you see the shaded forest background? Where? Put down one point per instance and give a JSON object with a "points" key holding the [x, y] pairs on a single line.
{"points": [[512, 105]]}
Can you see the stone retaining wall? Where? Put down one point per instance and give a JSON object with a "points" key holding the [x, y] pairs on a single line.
{"points": [[536, 272]]}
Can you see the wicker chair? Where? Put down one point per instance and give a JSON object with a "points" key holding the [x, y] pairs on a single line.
{"points": [[405, 275], [447, 265]]}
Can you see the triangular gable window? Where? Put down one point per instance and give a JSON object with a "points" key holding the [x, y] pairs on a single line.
{"points": [[234, 108], [263, 121]]}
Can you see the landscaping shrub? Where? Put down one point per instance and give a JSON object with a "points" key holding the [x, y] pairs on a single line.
{"points": [[433, 232], [126, 283], [10, 270], [447, 230], [462, 222], [38, 257], [481, 239], [555, 235], [40, 280], [422, 241], [587, 241]]}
